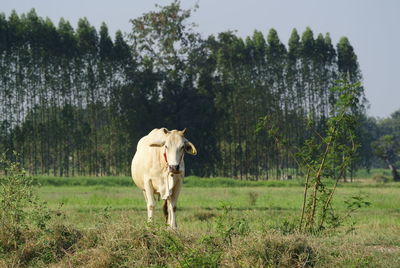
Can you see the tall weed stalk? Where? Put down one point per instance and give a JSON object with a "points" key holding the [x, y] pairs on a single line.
{"points": [[325, 156]]}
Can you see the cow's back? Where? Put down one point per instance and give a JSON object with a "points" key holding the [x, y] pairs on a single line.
{"points": [[147, 159]]}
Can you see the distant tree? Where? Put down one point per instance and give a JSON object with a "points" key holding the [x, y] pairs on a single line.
{"points": [[387, 147], [367, 133]]}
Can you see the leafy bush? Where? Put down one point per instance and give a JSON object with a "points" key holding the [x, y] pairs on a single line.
{"points": [[26, 230], [253, 196], [380, 178], [19, 205]]}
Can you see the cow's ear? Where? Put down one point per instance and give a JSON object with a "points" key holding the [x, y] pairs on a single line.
{"points": [[166, 131], [189, 148]]}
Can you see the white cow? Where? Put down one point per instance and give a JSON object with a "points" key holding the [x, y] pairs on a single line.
{"points": [[158, 168]]}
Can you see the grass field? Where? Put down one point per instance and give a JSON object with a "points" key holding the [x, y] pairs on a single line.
{"points": [[222, 223], [284, 201]]}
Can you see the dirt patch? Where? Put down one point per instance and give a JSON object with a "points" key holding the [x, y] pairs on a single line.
{"points": [[385, 248]]}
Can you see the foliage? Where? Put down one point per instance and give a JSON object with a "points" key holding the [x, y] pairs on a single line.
{"points": [[76, 101], [380, 178], [19, 205], [253, 196], [387, 147], [329, 158], [228, 227], [386, 142], [328, 154]]}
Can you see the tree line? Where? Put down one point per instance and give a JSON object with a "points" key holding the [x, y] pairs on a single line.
{"points": [[76, 101]]}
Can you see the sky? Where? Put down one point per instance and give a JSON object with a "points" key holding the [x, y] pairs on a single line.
{"points": [[372, 27]]}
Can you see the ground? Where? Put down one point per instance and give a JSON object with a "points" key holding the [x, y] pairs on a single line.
{"points": [[243, 225]]}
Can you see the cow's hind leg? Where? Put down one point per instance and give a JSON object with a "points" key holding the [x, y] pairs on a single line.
{"points": [[149, 196], [165, 210]]}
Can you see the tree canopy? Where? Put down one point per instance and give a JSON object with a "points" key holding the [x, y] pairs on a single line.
{"points": [[76, 101]]}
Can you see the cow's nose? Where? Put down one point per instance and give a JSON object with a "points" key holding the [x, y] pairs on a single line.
{"points": [[174, 167]]}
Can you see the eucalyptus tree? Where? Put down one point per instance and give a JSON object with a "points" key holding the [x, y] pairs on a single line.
{"points": [[65, 86], [5, 127], [297, 112], [307, 94], [87, 40], [277, 61], [292, 72], [257, 99], [229, 53], [347, 61]]}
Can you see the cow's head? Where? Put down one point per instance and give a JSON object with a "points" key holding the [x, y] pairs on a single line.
{"points": [[175, 145]]}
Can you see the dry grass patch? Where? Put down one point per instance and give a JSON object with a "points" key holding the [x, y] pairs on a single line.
{"points": [[270, 250]]}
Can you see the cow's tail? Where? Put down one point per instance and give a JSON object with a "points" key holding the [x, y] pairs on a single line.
{"points": [[165, 210]]}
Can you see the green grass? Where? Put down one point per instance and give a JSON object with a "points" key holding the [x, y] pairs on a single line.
{"points": [[222, 222], [362, 179], [83, 181], [191, 181], [273, 205], [366, 239]]}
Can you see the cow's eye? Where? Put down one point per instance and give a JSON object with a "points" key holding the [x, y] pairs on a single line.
{"points": [[182, 147], [166, 147]]}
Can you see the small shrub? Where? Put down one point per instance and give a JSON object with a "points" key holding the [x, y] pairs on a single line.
{"points": [[228, 227], [19, 205], [253, 196], [287, 253], [270, 250], [209, 258], [380, 178], [203, 216], [64, 238], [286, 227]]}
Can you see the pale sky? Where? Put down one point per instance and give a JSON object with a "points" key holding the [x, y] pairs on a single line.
{"points": [[372, 27]]}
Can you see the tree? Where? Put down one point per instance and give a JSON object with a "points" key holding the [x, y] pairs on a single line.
{"points": [[166, 48], [387, 145], [347, 61], [388, 148]]}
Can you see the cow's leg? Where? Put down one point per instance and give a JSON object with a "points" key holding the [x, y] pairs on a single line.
{"points": [[149, 196], [171, 203], [145, 197], [165, 210]]}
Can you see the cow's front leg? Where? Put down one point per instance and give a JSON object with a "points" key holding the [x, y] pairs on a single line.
{"points": [[149, 196], [171, 203]]}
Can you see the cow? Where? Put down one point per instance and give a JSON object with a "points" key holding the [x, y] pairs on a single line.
{"points": [[158, 168]]}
